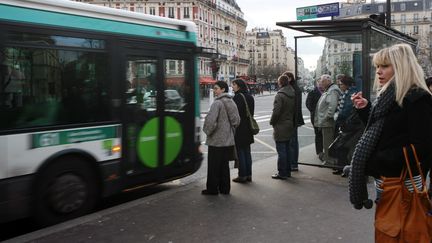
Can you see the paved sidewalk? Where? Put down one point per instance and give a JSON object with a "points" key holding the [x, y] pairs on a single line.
{"points": [[312, 206]]}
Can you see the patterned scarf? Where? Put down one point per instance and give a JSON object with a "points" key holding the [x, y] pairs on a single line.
{"points": [[367, 144]]}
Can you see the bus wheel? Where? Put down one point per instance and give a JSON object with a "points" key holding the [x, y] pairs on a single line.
{"points": [[65, 190]]}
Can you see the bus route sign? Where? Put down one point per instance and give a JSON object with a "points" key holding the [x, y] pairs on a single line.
{"points": [[318, 11], [73, 136]]}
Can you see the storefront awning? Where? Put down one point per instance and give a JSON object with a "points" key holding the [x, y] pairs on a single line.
{"points": [[206, 80]]}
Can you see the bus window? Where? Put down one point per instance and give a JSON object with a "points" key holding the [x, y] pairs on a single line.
{"points": [[141, 83], [44, 87], [175, 85]]}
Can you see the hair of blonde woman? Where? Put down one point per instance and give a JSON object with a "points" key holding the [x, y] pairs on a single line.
{"points": [[407, 71]]}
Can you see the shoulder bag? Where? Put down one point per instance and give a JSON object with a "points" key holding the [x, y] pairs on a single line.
{"points": [[252, 122], [401, 215]]}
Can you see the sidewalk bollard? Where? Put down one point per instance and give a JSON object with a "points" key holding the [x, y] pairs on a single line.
{"points": [[211, 97]]}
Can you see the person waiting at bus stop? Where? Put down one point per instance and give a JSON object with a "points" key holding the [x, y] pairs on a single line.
{"points": [[312, 99], [243, 136], [219, 126], [298, 119], [401, 115], [347, 125], [282, 120], [324, 115]]}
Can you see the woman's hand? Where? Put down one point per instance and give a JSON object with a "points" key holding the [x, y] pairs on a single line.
{"points": [[358, 101]]}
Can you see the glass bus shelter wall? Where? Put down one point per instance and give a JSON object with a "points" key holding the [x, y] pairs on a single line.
{"points": [[342, 54]]}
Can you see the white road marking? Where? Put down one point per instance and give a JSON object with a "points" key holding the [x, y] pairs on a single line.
{"points": [[265, 144]]}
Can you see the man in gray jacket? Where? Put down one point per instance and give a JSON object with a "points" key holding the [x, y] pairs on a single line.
{"points": [[324, 115], [283, 122]]}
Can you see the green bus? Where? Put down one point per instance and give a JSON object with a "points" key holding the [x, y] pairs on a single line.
{"points": [[94, 101]]}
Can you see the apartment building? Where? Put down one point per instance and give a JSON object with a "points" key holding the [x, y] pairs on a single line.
{"points": [[268, 53], [220, 26]]}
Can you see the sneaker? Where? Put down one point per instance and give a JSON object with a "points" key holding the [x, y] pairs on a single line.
{"points": [[294, 169], [279, 177], [240, 179], [248, 178]]}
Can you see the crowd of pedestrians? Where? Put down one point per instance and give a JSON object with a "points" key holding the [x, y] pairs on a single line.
{"points": [[353, 136]]}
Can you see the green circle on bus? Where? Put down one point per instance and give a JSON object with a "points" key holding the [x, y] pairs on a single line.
{"points": [[148, 142]]}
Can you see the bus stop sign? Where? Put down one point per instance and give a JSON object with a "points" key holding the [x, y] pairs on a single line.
{"points": [[318, 11]]}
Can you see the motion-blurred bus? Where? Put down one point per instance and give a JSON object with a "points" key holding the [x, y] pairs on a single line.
{"points": [[93, 101]]}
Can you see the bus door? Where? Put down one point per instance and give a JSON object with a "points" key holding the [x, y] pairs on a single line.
{"points": [[141, 114], [179, 111], [159, 114]]}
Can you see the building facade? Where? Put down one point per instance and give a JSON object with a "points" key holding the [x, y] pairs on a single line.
{"points": [[268, 54], [220, 27]]}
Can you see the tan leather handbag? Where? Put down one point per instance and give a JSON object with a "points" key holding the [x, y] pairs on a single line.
{"points": [[401, 215]]}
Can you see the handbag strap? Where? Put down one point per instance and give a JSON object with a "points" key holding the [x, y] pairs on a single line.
{"points": [[408, 167], [248, 114], [226, 111]]}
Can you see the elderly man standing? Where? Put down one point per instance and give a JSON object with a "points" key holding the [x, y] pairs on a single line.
{"points": [[324, 115]]}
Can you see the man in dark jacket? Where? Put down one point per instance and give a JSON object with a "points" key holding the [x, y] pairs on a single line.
{"points": [[311, 103]]}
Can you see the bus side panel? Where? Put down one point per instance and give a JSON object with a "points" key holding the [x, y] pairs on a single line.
{"points": [[23, 154], [27, 152]]}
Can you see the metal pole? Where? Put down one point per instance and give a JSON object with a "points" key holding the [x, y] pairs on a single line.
{"points": [[295, 58], [388, 15]]}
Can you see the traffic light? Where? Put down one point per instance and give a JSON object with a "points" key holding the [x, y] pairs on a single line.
{"points": [[215, 68]]}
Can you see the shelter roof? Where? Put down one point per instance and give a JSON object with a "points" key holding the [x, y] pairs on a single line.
{"points": [[347, 30]]}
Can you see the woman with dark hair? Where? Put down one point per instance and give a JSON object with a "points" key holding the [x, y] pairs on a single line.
{"points": [[219, 126], [347, 124], [282, 120], [298, 119], [243, 136]]}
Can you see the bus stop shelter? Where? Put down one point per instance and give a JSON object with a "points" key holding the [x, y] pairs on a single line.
{"points": [[368, 37]]}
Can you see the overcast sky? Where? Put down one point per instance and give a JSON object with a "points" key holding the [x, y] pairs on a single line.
{"points": [[265, 14]]}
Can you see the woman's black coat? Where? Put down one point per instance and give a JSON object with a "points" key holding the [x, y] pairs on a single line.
{"points": [[409, 124], [244, 136]]}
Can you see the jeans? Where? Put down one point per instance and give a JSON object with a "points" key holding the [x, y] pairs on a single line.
{"points": [[294, 146], [245, 161], [285, 157]]}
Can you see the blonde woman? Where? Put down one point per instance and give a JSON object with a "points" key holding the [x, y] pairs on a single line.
{"points": [[401, 115]]}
